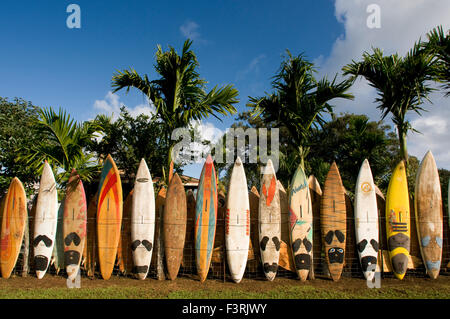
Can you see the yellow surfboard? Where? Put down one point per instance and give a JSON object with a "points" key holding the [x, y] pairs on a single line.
{"points": [[398, 226]]}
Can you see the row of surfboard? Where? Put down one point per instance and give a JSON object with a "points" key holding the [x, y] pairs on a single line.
{"points": [[428, 209]]}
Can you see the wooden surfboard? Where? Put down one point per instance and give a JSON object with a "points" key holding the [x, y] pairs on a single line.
{"points": [[286, 259], [74, 224], [124, 252], [90, 248], [316, 198], [237, 222], [269, 222], [45, 221], [301, 223], [14, 217], [158, 256], [366, 221], [58, 248], [205, 218], [109, 216], [398, 221], [333, 217], [429, 215], [189, 251], [253, 200], [174, 225], [142, 220]]}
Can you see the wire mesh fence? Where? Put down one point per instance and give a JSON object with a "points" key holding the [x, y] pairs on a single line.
{"points": [[219, 269]]}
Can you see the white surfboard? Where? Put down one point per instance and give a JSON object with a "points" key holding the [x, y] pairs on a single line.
{"points": [[366, 221], [269, 222], [237, 222], [45, 221], [142, 221]]}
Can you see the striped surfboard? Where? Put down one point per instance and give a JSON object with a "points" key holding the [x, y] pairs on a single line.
{"points": [[109, 216], [205, 218]]}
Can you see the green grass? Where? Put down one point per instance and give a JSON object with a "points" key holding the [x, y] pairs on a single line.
{"points": [[297, 292]]}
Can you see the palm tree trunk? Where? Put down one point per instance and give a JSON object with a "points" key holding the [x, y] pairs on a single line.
{"points": [[403, 147], [302, 157]]}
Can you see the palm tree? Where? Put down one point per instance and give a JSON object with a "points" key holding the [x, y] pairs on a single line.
{"points": [[179, 94], [64, 146], [439, 45], [402, 84], [299, 101]]}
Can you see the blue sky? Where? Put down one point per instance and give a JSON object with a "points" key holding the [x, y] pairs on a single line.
{"points": [[236, 42]]}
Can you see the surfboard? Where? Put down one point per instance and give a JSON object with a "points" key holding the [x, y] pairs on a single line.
{"points": [[189, 251], [124, 252], [301, 223], [14, 217], [429, 215], [205, 218], [90, 247], [333, 219], [174, 225], [237, 222], [316, 197], [269, 222], [74, 224], [158, 256], [253, 199], [398, 221], [109, 216], [366, 221], [58, 248], [142, 220], [45, 221]]}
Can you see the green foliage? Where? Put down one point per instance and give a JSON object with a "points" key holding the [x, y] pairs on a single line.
{"points": [[357, 139], [63, 144], [179, 94], [444, 176], [130, 139], [299, 101], [438, 46], [348, 140], [18, 134], [402, 84]]}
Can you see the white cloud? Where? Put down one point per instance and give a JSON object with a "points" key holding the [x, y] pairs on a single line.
{"points": [[252, 67], [403, 22], [111, 105], [205, 131], [190, 29]]}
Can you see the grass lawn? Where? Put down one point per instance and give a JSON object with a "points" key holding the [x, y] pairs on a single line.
{"points": [[54, 287]]}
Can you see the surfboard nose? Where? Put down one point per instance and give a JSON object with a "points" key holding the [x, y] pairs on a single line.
{"points": [[40, 274]]}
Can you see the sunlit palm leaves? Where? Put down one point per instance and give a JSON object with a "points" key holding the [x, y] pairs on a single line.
{"points": [[439, 45], [64, 145], [299, 101], [179, 94], [402, 84]]}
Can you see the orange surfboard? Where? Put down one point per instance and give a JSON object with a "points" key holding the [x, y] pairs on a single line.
{"points": [[13, 226], [109, 216]]}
